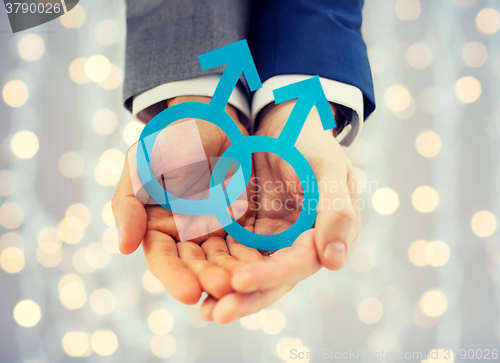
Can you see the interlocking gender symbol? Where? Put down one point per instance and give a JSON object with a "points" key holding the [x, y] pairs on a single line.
{"points": [[238, 60]]}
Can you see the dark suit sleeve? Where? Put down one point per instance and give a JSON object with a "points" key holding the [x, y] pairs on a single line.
{"points": [[165, 37], [316, 37]]}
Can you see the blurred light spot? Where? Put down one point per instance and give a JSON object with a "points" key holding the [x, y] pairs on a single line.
{"points": [[49, 253], [358, 152], [15, 93], [163, 346], [430, 100], [408, 9], [433, 303], [7, 183], [71, 230], [421, 320], [362, 259], [80, 212], [419, 56], [385, 201], [72, 292], [468, 89], [104, 121], [49, 234], [443, 356], [24, 144], [104, 342], [428, 144], [127, 294], [408, 111], [110, 240], [77, 71], [71, 164], [160, 322], [97, 68], [76, 344], [425, 199], [285, 345], [484, 223], [488, 21], [474, 54], [31, 47], [397, 98], [377, 60], [102, 301], [274, 322], [74, 18], [49, 246], [151, 283], [109, 168], [12, 260], [416, 253], [27, 313], [132, 131], [11, 239], [114, 80], [194, 319], [97, 256], [80, 262], [107, 215], [11, 215], [107, 32], [370, 310], [437, 253]]}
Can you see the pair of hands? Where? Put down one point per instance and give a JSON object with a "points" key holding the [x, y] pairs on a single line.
{"points": [[240, 280]]}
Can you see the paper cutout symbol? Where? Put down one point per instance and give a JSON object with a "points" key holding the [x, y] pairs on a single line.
{"points": [[26, 14], [238, 60]]}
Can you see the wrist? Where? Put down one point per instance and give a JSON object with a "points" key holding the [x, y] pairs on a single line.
{"points": [[273, 118]]}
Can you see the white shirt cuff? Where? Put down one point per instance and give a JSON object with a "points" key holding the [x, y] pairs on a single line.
{"points": [[336, 92], [199, 86]]}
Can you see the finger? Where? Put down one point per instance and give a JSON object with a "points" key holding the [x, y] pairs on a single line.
{"points": [[287, 266], [216, 251], [215, 280], [337, 222], [164, 263], [235, 306], [242, 252], [207, 308], [129, 213]]}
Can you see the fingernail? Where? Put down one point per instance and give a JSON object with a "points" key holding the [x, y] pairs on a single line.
{"points": [[335, 253], [120, 236]]}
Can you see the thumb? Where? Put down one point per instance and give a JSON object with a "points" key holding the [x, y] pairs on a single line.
{"points": [[130, 214], [338, 221]]}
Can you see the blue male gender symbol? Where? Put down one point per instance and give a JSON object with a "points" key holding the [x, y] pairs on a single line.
{"points": [[238, 60]]}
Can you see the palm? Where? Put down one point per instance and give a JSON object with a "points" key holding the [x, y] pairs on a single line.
{"points": [[172, 242], [184, 170], [279, 206]]}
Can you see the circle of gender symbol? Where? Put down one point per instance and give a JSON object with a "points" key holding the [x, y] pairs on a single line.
{"points": [[238, 60]]}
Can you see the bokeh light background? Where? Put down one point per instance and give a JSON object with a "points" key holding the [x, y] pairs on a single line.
{"points": [[424, 273]]}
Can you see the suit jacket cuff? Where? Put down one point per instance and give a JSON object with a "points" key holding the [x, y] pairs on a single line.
{"points": [[336, 92]]}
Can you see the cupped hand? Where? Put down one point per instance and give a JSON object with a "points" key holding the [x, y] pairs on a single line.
{"points": [[185, 268], [280, 199]]}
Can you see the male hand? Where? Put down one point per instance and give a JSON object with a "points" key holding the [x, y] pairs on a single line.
{"points": [[260, 284], [183, 266]]}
